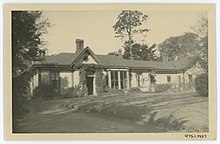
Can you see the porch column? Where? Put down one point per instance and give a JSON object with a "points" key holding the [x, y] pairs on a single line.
{"points": [[119, 80], [39, 78], [183, 75], [109, 79], [31, 86], [94, 85], [128, 80], [72, 76]]}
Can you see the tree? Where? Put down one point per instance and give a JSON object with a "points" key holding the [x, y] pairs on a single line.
{"points": [[143, 52], [27, 30], [128, 24], [190, 43], [180, 46], [201, 28]]}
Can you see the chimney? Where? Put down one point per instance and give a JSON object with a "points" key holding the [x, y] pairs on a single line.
{"points": [[79, 45], [164, 57], [120, 53]]}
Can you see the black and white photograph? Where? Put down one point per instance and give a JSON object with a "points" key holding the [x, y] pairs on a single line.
{"points": [[115, 69]]}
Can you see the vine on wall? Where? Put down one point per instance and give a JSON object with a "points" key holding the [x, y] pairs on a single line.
{"points": [[82, 82], [83, 68], [99, 81]]}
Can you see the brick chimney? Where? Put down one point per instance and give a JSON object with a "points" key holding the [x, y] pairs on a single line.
{"points": [[79, 45], [164, 57], [120, 53]]}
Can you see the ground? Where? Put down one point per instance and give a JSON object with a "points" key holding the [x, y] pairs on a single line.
{"points": [[137, 112]]}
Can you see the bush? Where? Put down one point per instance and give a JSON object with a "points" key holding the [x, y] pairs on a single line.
{"points": [[162, 87], [44, 92], [111, 91], [78, 92], [201, 84], [134, 90]]}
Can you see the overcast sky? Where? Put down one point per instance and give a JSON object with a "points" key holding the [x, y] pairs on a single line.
{"points": [[95, 28]]}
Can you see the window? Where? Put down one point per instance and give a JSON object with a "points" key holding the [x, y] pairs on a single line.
{"points": [[168, 78], [55, 79], [123, 76], [114, 79]]}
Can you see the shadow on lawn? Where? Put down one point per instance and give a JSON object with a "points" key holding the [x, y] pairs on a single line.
{"points": [[135, 114], [165, 124]]}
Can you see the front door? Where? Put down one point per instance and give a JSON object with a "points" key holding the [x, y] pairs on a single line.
{"points": [[90, 85]]}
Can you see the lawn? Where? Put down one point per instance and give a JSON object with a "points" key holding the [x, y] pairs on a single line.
{"points": [[169, 112], [137, 112]]}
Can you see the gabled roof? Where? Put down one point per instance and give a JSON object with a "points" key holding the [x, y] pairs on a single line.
{"points": [[67, 59]]}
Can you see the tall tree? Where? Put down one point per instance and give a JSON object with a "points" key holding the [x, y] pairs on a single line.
{"points": [[27, 30], [190, 43], [201, 28], [127, 25], [180, 46]]}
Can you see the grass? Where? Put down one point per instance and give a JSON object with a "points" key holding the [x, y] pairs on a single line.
{"points": [[167, 112]]}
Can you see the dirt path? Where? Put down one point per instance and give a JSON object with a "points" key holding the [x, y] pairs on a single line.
{"points": [[42, 119]]}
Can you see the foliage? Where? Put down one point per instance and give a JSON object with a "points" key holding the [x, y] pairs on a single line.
{"points": [[193, 44], [99, 82], [201, 84], [128, 21], [201, 28], [180, 46], [44, 92], [127, 25], [162, 88], [134, 90], [140, 52], [73, 92], [112, 91], [20, 85], [27, 29], [82, 82]]}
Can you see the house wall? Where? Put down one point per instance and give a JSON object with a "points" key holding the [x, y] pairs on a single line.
{"points": [[76, 78], [134, 82], [144, 81], [68, 78], [35, 81], [65, 82], [162, 79], [89, 61]]}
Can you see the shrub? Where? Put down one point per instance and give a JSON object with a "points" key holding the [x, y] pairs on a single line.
{"points": [[162, 87], [78, 92], [44, 92], [201, 84], [111, 91], [134, 90]]}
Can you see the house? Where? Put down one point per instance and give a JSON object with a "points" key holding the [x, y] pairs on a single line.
{"points": [[93, 72]]}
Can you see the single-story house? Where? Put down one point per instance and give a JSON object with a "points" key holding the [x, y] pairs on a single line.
{"points": [[94, 72]]}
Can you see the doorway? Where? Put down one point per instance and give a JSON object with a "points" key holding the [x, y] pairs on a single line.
{"points": [[90, 85]]}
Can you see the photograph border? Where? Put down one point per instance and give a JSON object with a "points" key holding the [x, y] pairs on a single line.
{"points": [[211, 135]]}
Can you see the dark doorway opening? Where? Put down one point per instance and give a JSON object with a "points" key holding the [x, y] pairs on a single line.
{"points": [[90, 85]]}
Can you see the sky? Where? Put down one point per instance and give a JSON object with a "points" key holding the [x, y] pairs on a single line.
{"points": [[95, 28]]}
